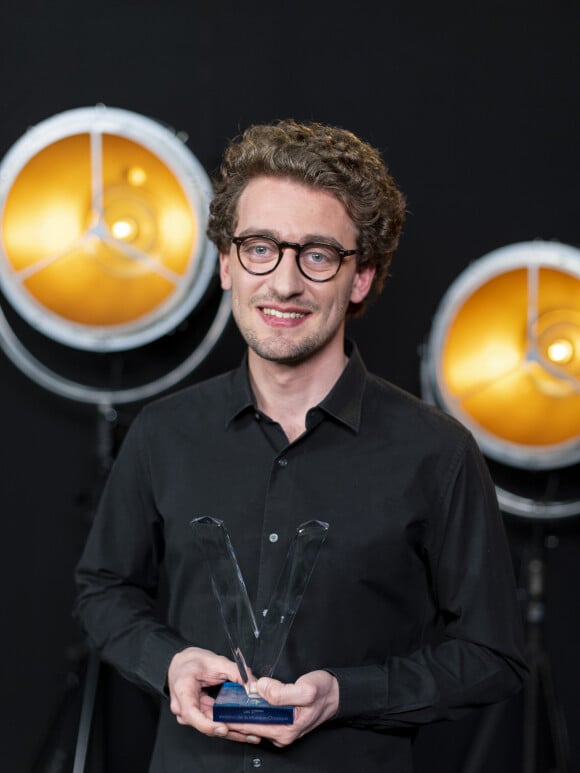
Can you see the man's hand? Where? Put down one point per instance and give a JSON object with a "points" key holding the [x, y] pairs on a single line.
{"points": [[315, 696], [190, 672]]}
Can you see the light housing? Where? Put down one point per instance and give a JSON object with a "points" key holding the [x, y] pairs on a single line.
{"points": [[111, 280], [102, 240], [503, 357]]}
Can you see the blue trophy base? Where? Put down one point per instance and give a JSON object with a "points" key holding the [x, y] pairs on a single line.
{"points": [[233, 704]]}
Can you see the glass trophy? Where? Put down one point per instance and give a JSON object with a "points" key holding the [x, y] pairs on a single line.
{"points": [[255, 648]]}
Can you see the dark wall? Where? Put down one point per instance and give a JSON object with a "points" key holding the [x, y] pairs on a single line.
{"points": [[475, 107]]}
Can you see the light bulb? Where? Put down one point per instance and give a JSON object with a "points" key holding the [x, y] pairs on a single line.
{"points": [[125, 229], [560, 351], [136, 176]]}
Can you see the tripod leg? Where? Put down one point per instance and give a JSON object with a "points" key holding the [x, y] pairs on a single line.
{"points": [[476, 757], [556, 720], [87, 711], [531, 705]]}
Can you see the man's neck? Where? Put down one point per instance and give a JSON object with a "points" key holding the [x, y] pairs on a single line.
{"points": [[286, 392]]}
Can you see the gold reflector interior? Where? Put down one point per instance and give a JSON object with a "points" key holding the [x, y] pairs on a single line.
{"points": [[505, 353], [507, 389], [104, 229]]}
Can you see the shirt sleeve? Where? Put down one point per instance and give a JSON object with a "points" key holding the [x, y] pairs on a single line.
{"points": [[479, 658], [119, 571]]}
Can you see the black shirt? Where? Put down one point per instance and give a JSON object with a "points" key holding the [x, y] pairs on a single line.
{"points": [[411, 603]]}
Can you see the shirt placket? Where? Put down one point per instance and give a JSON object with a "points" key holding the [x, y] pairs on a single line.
{"points": [[276, 529]]}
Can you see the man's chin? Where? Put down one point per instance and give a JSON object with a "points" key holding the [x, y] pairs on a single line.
{"points": [[284, 352], [283, 358]]}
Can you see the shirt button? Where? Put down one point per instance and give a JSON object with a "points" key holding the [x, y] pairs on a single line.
{"points": [[273, 537], [257, 416], [282, 462], [257, 762]]}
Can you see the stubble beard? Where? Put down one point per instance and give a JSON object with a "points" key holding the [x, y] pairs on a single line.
{"points": [[279, 349]]}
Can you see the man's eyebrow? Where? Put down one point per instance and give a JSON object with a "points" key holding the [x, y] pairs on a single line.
{"points": [[325, 239], [260, 232]]}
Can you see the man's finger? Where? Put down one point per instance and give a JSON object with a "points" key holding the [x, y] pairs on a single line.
{"points": [[280, 694], [272, 690]]}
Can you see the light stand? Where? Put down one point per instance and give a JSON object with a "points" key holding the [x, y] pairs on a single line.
{"points": [[540, 692], [103, 249], [107, 418], [503, 357], [541, 709]]}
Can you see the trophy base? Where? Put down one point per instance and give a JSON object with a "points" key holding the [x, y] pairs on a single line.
{"points": [[233, 704]]}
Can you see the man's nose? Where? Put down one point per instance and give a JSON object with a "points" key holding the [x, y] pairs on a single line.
{"points": [[287, 279]]}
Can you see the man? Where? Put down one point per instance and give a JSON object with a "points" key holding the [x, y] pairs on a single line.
{"points": [[410, 614]]}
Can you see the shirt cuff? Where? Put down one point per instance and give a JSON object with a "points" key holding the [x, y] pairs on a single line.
{"points": [[156, 656], [362, 690]]}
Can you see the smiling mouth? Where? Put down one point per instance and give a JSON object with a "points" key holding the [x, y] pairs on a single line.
{"points": [[282, 314]]}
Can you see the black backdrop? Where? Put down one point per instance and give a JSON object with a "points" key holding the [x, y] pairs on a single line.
{"points": [[475, 107]]}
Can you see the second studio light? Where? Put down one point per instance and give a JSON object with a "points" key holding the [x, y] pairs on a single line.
{"points": [[503, 357]]}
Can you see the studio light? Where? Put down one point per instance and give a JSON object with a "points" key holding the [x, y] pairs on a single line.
{"points": [[503, 357], [103, 216], [103, 249]]}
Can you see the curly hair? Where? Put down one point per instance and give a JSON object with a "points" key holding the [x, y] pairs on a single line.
{"points": [[319, 156]]}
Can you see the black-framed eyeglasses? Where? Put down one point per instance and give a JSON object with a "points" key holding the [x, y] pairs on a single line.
{"points": [[317, 261]]}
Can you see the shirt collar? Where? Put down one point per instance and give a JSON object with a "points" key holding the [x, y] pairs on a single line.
{"points": [[343, 402], [241, 396]]}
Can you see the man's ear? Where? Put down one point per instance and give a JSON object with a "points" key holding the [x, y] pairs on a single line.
{"points": [[362, 282], [225, 275]]}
